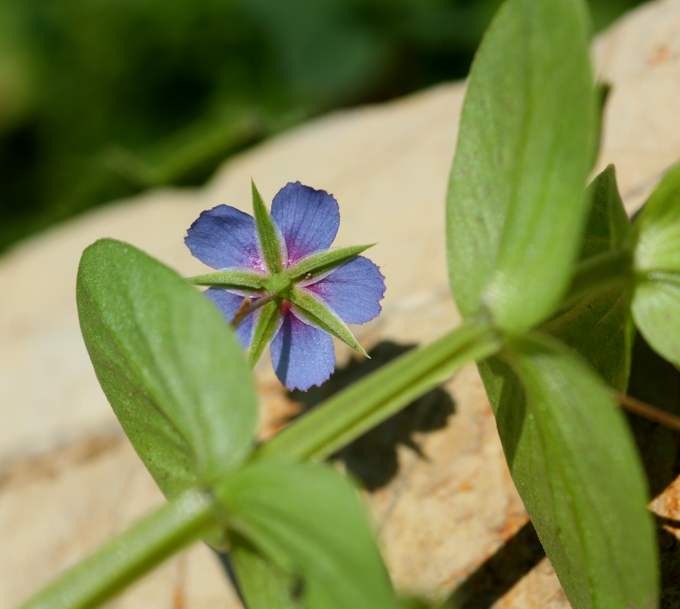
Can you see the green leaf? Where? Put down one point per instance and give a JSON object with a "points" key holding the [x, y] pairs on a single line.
{"points": [[268, 234], [658, 228], [319, 314], [605, 261], [309, 521], [240, 280], [322, 262], [596, 321], [265, 327], [263, 585], [656, 309], [516, 204], [173, 371], [656, 303], [608, 227], [610, 270], [599, 328], [575, 466]]}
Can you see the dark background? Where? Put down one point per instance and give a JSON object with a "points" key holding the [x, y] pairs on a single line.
{"points": [[104, 98]]}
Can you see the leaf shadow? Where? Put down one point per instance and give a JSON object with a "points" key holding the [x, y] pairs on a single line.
{"points": [[498, 573], [652, 380], [373, 458]]}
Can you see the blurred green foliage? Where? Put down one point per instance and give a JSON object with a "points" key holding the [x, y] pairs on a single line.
{"points": [[103, 98]]}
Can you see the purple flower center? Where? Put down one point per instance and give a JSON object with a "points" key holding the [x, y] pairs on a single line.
{"points": [[285, 307]]}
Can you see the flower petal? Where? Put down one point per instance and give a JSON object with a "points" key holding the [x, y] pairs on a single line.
{"points": [[307, 218], [225, 237], [353, 290], [302, 355], [228, 304]]}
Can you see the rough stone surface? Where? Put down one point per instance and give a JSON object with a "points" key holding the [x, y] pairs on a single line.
{"points": [[450, 515]]}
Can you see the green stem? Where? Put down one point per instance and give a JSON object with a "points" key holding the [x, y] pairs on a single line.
{"points": [[363, 405], [597, 274], [127, 557]]}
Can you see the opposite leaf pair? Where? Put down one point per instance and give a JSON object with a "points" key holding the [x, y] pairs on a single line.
{"points": [[517, 211], [278, 282]]}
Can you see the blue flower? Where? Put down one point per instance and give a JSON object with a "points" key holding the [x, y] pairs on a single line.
{"points": [[306, 221]]}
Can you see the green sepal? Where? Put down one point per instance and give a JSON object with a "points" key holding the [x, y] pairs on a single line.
{"points": [[268, 234], [319, 314], [316, 264], [267, 322], [240, 280]]}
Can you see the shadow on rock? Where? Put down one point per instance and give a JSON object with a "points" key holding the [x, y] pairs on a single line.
{"points": [[372, 458], [655, 381], [498, 573]]}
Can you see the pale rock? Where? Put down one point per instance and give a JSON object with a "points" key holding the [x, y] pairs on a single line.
{"points": [[640, 57]]}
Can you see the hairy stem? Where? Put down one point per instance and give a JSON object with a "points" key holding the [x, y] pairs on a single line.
{"points": [[366, 403], [247, 307]]}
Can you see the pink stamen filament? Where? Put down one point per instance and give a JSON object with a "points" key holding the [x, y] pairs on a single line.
{"points": [[247, 307]]}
